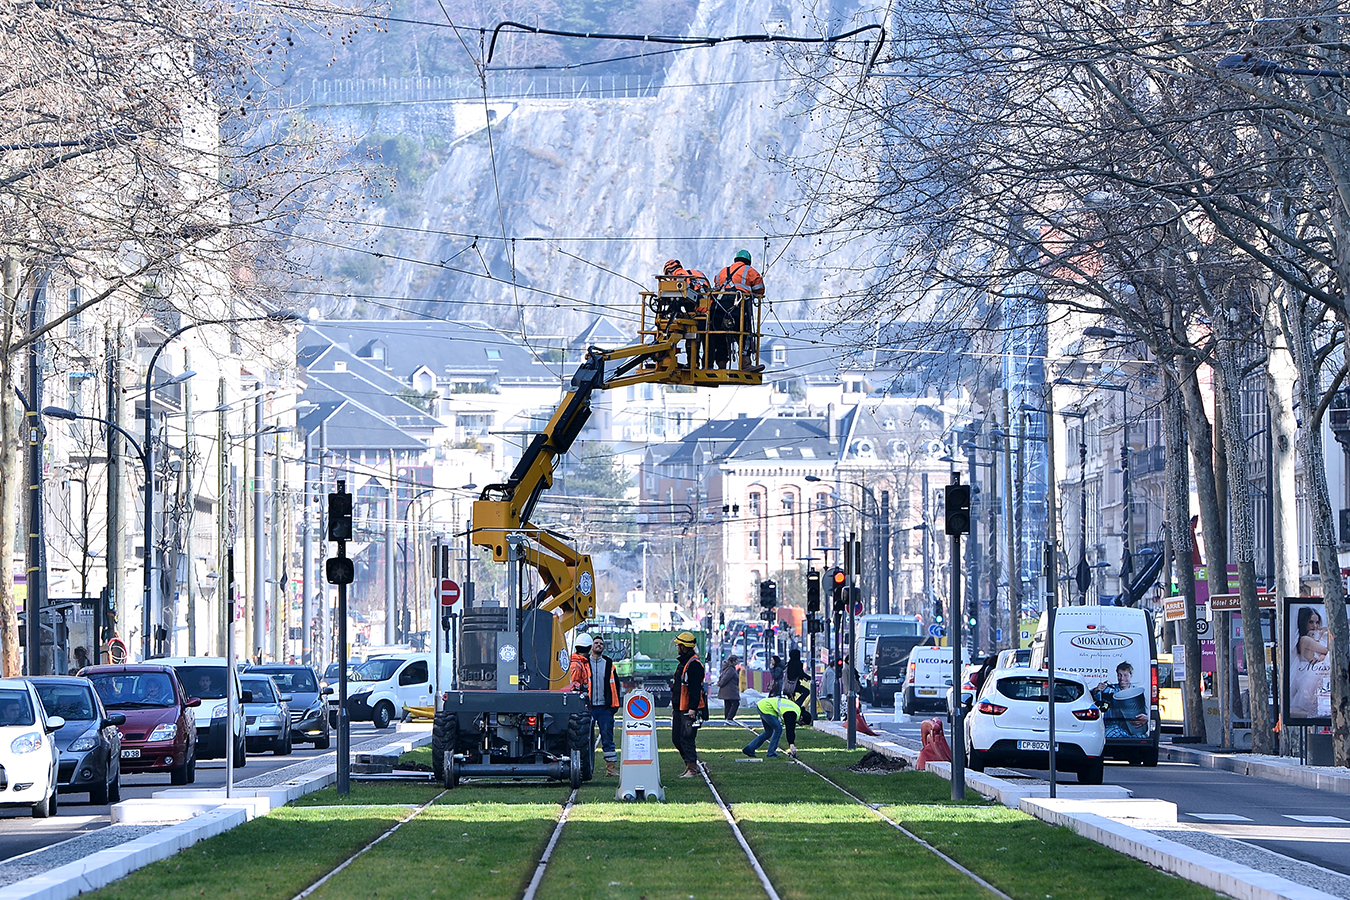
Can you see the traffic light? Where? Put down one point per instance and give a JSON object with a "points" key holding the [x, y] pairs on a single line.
{"points": [[937, 612], [812, 591], [837, 582], [340, 515], [958, 508], [768, 594]]}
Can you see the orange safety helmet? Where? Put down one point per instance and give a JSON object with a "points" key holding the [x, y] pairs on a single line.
{"points": [[672, 265]]}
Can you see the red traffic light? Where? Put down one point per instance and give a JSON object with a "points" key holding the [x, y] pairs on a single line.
{"points": [[838, 578]]}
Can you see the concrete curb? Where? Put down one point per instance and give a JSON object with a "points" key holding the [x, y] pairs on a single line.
{"points": [[1323, 778], [203, 814], [1094, 814], [1222, 875]]}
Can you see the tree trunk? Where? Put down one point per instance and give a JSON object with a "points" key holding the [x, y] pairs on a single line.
{"points": [[1201, 441], [11, 475], [1281, 376], [1324, 530], [1178, 481], [1244, 538]]}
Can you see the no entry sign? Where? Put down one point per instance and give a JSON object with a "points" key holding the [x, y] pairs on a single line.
{"points": [[449, 592]]}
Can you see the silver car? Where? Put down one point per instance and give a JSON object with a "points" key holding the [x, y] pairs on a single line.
{"points": [[267, 716]]}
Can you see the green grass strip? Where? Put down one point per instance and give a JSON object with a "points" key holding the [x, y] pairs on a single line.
{"points": [[453, 850], [675, 850], [275, 856], [372, 793], [807, 834], [1028, 858]]}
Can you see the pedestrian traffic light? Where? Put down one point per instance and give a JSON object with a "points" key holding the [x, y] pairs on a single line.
{"points": [[768, 594], [340, 514], [958, 508], [812, 591]]}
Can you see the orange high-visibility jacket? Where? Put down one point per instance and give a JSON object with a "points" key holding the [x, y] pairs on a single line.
{"points": [[741, 277]]}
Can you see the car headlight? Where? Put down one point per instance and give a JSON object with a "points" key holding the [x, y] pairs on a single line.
{"points": [[269, 720], [86, 741], [166, 732], [27, 743], [220, 709]]}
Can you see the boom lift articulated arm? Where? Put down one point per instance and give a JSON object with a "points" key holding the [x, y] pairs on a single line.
{"points": [[677, 346]]}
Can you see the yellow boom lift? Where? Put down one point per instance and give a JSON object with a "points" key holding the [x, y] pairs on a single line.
{"points": [[511, 715]]}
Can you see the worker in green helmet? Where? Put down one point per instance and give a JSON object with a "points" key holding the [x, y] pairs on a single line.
{"points": [[739, 288]]}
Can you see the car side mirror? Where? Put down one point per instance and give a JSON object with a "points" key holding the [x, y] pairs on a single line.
{"points": [[192, 702], [114, 719], [245, 696], [54, 723], [285, 698], [327, 691]]}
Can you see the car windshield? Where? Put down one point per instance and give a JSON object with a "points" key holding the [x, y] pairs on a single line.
{"points": [[378, 669], [74, 702], [206, 682], [293, 681], [1027, 687], [16, 708], [261, 688], [134, 690]]}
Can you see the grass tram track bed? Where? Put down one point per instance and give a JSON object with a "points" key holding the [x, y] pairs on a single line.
{"points": [[484, 839]]}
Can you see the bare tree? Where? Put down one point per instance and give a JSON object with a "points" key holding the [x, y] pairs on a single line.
{"points": [[135, 146]]}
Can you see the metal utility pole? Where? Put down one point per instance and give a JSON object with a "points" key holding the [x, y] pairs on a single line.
{"points": [[224, 536], [852, 571], [956, 526], [390, 596], [230, 699], [278, 561], [927, 565], [259, 532], [884, 556], [189, 514], [1014, 567], [115, 478], [1051, 604], [309, 575]]}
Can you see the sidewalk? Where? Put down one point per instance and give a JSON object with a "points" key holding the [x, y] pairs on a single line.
{"points": [[1335, 779], [144, 831], [1148, 829]]}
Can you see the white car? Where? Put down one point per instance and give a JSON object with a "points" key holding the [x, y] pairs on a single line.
{"points": [[28, 754], [1009, 724]]}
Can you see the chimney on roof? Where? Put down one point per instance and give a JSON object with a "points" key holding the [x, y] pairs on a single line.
{"points": [[831, 423]]}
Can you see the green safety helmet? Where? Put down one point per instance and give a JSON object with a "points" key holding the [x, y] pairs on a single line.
{"points": [[743, 256]]}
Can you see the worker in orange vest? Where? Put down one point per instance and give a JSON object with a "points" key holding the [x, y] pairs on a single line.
{"points": [[741, 288]]}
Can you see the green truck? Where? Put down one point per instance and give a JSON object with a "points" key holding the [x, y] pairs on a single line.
{"points": [[647, 659]]}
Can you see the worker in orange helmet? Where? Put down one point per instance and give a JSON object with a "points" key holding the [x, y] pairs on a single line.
{"points": [[740, 287]]}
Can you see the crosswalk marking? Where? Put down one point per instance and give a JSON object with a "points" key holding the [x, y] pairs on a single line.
{"points": [[1318, 820], [1218, 817]]}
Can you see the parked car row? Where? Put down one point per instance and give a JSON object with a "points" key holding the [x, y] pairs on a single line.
{"points": [[80, 733]]}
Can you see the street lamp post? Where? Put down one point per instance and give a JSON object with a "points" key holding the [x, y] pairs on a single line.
{"points": [[880, 530], [149, 451]]}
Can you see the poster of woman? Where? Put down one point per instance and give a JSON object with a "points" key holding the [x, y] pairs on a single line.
{"points": [[1307, 663]]}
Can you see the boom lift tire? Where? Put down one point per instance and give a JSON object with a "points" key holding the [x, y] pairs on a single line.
{"points": [[579, 738], [574, 769], [444, 734]]}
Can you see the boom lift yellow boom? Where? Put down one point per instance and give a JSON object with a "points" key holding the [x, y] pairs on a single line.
{"points": [[503, 723]]}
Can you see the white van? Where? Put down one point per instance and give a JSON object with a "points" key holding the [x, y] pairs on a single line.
{"points": [[1112, 648], [927, 678], [382, 685]]}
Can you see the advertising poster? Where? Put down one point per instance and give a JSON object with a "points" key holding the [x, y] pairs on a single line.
{"points": [[1306, 665]]}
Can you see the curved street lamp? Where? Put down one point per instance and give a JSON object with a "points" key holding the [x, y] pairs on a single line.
{"points": [[148, 453]]}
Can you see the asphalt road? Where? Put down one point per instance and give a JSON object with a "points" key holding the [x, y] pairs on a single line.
{"points": [[20, 833], [1300, 823]]}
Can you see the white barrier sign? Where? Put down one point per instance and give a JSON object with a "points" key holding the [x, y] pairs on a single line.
{"points": [[640, 769]]}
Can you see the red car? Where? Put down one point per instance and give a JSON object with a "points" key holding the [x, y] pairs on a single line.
{"points": [[160, 733]]}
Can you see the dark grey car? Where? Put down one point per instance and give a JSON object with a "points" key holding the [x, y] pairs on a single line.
{"points": [[309, 702], [90, 744]]}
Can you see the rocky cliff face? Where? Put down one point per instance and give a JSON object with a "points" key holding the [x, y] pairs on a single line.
{"points": [[596, 192]]}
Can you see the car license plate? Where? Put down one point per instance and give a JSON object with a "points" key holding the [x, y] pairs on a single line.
{"points": [[1034, 745], [928, 692], [131, 754], [890, 681]]}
